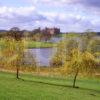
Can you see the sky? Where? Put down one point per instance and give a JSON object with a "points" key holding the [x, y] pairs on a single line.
{"points": [[68, 15]]}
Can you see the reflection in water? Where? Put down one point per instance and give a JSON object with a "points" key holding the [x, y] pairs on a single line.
{"points": [[43, 55]]}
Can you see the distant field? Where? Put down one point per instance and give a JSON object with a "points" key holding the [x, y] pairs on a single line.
{"points": [[34, 44], [45, 88], [68, 35], [41, 44]]}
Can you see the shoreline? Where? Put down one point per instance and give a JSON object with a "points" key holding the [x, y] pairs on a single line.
{"points": [[40, 47]]}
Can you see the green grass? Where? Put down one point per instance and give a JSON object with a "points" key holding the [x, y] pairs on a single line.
{"points": [[46, 88], [34, 44], [69, 35]]}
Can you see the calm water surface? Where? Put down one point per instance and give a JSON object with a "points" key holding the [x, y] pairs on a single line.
{"points": [[42, 55]]}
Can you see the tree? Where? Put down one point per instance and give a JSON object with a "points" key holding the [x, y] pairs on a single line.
{"points": [[82, 62], [19, 52], [63, 51], [86, 39], [74, 59], [56, 61], [12, 52], [76, 56], [89, 34], [15, 33], [94, 46]]}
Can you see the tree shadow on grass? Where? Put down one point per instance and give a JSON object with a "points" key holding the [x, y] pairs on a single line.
{"points": [[61, 85], [47, 83], [94, 90]]}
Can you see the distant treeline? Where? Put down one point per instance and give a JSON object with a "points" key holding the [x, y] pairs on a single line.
{"points": [[36, 34]]}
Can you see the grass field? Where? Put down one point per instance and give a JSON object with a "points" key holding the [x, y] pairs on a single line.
{"points": [[45, 88], [33, 44], [69, 35]]}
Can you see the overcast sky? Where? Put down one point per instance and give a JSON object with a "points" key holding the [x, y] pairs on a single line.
{"points": [[69, 15]]}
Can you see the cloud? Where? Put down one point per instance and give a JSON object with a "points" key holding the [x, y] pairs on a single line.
{"points": [[67, 21], [29, 18], [90, 5], [21, 16], [20, 10], [69, 15]]}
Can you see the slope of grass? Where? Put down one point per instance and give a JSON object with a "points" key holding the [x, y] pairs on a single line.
{"points": [[35, 88]]}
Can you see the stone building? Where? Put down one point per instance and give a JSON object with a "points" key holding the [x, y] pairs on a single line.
{"points": [[51, 31]]}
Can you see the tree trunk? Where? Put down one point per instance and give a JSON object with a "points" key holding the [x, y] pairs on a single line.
{"points": [[17, 72], [75, 77]]}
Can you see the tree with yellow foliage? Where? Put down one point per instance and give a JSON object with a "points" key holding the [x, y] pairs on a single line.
{"points": [[82, 62], [12, 52]]}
